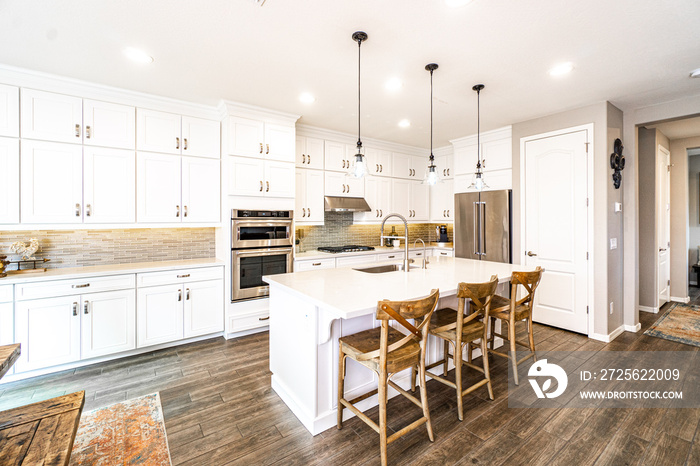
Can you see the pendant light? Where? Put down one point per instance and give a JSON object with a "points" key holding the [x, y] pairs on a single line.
{"points": [[478, 182], [358, 167], [431, 174]]}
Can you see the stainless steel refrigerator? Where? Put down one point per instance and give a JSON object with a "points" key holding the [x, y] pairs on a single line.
{"points": [[483, 225]]}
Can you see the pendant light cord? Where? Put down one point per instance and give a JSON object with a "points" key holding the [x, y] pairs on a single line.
{"points": [[431, 115], [478, 123], [359, 95]]}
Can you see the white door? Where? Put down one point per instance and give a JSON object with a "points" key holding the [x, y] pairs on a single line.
{"points": [[108, 323], [200, 137], [401, 195], [201, 193], [49, 332], [204, 308], [246, 176], [401, 165], [245, 137], [158, 188], [420, 201], [159, 314], [109, 125], [9, 111], [158, 132], [9, 187], [279, 179], [334, 156], [663, 215], [109, 185], [52, 182], [51, 117], [279, 142], [556, 227]]}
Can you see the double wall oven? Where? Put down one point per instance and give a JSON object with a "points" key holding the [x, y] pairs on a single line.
{"points": [[261, 244]]}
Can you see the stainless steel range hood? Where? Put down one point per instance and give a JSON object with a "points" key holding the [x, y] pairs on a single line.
{"points": [[346, 204]]}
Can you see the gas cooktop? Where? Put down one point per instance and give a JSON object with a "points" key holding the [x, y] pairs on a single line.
{"points": [[350, 248]]}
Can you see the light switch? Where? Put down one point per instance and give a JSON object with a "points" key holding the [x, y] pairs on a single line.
{"points": [[618, 207], [613, 243]]}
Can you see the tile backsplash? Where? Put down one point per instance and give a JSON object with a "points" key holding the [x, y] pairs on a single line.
{"points": [[80, 248], [338, 230]]}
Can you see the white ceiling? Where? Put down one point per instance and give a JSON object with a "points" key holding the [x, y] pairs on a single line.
{"points": [[630, 52], [679, 129]]}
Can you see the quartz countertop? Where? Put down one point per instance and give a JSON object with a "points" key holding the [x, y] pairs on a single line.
{"points": [[314, 254], [102, 270], [348, 293]]}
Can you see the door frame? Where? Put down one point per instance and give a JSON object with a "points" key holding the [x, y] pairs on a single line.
{"points": [[590, 285], [659, 209]]}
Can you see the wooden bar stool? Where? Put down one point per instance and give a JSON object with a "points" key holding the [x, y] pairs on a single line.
{"points": [[459, 330], [387, 351], [515, 310]]}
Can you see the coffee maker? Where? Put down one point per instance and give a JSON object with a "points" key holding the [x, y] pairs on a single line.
{"points": [[441, 232]]}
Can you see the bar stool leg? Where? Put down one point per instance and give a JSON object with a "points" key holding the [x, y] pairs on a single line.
{"points": [[414, 372], [493, 331], [446, 353], [382, 394], [513, 356], [341, 385], [531, 336], [485, 360], [458, 380], [424, 400]]}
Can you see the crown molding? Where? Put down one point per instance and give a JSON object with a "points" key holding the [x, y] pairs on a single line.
{"points": [[227, 108], [347, 138], [487, 136]]}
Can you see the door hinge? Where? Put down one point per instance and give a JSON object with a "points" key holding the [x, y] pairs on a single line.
{"points": [[587, 147], [586, 309], [587, 202], [668, 168], [586, 256]]}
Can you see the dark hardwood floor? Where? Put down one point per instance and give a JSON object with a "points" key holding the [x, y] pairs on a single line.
{"points": [[219, 409]]}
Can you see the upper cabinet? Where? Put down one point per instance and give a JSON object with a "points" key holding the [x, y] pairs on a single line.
{"points": [[309, 152], [109, 125], [109, 185], [169, 133], [51, 117], [496, 152], [9, 187], [444, 166], [9, 111], [260, 178], [200, 137], [335, 156], [252, 138], [378, 162], [409, 167]]}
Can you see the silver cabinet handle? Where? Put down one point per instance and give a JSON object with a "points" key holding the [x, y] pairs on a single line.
{"points": [[267, 150], [187, 275], [77, 210], [177, 211], [88, 132], [185, 211], [303, 158], [77, 131], [75, 309], [475, 217], [261, 185], [179, 295], [185, 146], [264, 318], [187, 294], [268, 187], [88, 210], [531, 254], [316, 264], [177, 143], [261, 148], [85, 307], [84, 285]]}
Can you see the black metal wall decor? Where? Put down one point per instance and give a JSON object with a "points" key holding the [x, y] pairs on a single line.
{"points": [[617, 163]]}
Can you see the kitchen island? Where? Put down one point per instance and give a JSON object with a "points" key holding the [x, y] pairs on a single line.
{"points": [[310, 311]]}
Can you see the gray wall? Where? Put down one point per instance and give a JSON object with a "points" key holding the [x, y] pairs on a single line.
{"points": [[693, 210], [648, 256], [615, 256]]}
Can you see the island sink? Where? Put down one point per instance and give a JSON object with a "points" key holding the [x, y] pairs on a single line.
{"points": [[384, 268]]}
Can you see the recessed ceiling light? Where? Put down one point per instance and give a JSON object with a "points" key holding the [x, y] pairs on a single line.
{"points": [[139, 56], [307, 98], [393, 84], [561, 69], [404, 123], [695, 73], [457, 3]]}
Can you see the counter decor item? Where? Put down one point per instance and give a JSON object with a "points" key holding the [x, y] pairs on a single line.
{"points": [[3, 264], [25, 250]]}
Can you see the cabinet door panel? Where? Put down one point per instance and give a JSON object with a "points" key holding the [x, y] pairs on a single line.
{"points": [[109, 125], [315, 204], [246, 176], [9, 187], [245, 137], [334, 184], [442, 202], [52, 182], [384, 196], [201, 191], [497, 155], [420, 201], [444, 166], [109, 185], [401, 194], [201, 137], [204, 308], [108, 323], [9, 111], [158, 188], [279, 179], [372, 188], [300, 195], [159, 315], [49, 332], [158, 131], [279, 142], [314, 153], [334, 156], [51, 117], [465, 160], [401, 165]]}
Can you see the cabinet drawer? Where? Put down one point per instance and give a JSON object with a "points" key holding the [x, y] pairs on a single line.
{"points": [[6, 294], [249, 321], [355, 260], [178, 276], [419, 254], [444, 253], [391, 256], [303, 266], [55, 288]]}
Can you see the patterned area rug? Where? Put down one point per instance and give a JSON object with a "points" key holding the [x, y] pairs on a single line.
{"points": [[126, 433], [681, 323]]}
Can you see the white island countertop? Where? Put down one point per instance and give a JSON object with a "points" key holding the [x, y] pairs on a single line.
{"points": [[315, 254], [348, 293]]}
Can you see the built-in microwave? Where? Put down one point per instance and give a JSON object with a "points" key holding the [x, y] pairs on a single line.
{"points": [[261, 228]]}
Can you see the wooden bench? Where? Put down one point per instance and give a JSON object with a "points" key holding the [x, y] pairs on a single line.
{"points": [[8, 356], [40, 433]]}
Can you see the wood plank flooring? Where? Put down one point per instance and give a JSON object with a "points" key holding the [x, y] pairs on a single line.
{"points": [[219, 409]]}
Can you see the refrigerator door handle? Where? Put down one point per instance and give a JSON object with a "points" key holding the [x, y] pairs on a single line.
{"points": [[483, 228], [476, 228]]}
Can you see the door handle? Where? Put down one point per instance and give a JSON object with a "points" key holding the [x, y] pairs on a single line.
{"points": [[531, 254], [483, 228], [475, 229], [662, 249]]}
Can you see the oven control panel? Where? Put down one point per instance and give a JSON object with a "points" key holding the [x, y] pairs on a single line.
{"points": [[235, 213]]}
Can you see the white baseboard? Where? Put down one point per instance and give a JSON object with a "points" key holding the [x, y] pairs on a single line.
{"points": [[633, 328], [243, 333], [609, 337], [676, 299], [653, 310]]}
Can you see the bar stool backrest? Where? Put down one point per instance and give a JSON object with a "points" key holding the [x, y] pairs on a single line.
{"points": [[528, 280]]}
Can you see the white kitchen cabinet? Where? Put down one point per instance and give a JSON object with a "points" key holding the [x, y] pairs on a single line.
{"points": [[9, 111], [245, 137], [465, 160], [109, 185], [49, 332], [443, 253], [109, 125], [9, 186], [419, 204], [352, 261], [201, 191], [51, 117], [378, 162], [401, 165], [256, 177], [309, 202], [309, 152], [495, 180], [279, 142], [442, 202], [158, 192], [203, 308], [378, 196], [158, 131], [444, 166], [201, 138], [279, 179], [315, 264], [337, 184], [159, 315], [401, 198], [497, 155], [334, 157], [51, 182], [108, 323]]}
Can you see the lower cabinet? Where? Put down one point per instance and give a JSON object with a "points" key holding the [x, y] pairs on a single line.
{"points": [[204, 308], [107, 323]]}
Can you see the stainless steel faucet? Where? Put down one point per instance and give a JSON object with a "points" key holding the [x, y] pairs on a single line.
{"points": [[425, 258], [406, 261]]}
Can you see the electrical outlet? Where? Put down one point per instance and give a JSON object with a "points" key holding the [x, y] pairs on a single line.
{"points": [[613, 243], [611, 308]]}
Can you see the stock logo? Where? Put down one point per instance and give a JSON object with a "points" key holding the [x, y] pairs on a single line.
{"points": [[543, 369]]}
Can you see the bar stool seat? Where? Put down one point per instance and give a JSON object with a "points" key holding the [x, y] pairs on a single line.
{"points": [[500, 309], [370, 340], [443, 318]]}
